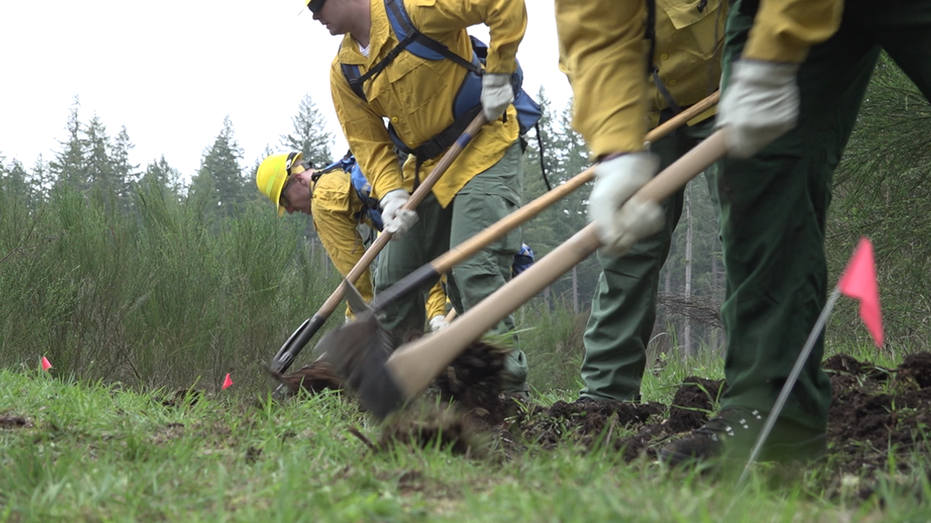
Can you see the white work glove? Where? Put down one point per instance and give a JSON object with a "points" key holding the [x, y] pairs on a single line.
{"points": [[438, 322], [497, 94], [760, 104], [619, 219], [397, 220]]}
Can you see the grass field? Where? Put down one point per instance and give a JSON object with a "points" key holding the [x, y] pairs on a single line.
{"points": [[74, 451]]}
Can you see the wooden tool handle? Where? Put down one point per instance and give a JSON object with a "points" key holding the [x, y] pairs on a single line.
{"points": [[473, 245], [416, 364], [419, 194]]}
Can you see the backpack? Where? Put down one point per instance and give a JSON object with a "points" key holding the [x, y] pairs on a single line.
{"points": [[360, 184], [522, 260], [467, 103]]}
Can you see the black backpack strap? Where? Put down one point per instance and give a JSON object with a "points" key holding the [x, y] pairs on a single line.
{"points": [[650, 33], [357, 81], [546, 180], [351, 74], [664, 92], [442, 141]]}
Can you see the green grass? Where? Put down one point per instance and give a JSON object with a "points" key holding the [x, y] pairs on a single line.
{"points": [[132, 307], [94, 452]]}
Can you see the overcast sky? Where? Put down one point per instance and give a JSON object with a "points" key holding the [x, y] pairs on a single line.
{"points": [[170, 71]]}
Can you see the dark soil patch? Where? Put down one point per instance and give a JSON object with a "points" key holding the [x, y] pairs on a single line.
{"points": [[428, 424], [12, 421], [877, 413], [182, 397], [313, 378], [473, 380]]}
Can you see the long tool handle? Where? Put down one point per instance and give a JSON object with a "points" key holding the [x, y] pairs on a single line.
{"points": [[415, 364], [296, 342], [473, 245]]}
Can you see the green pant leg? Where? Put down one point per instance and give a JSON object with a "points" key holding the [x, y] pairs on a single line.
{"points": [[426, 240], [772, 212], [624, 303], [903, 30], [487, 198]]}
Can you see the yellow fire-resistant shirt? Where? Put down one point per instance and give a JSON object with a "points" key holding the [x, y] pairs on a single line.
{"points": [[604, 55], [689, 43], [416, 95], [784, 30], [337, 211]]}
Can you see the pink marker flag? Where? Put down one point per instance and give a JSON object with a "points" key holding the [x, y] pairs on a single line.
{"points": [[228, 382], [46, 364], [859, 282]]}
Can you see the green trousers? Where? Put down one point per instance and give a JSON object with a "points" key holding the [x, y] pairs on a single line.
{"points": [[485, 199], [773, 206], [624, 304]]}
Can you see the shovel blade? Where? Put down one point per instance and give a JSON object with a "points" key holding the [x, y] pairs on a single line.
{"points": [[356, 303]]}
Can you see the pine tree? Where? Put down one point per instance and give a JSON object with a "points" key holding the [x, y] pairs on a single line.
{"points": [[310, 134], [882, 190], [14, 180], [68, 167], [125, 174], [164, 177], [219, 180], [99, 166], [253, 191], [41, 179]]}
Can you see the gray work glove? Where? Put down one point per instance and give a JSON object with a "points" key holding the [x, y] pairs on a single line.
{"points": [[620, 219], [760, 104], [497, 94], [397, 220]]}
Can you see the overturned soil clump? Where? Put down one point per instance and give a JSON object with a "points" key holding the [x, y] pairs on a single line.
{"points": [[313, 378], [877, 413]]}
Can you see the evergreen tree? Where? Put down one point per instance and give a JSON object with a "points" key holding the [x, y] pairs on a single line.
{"points": [[98, 165], [41, 178], [252, 192], [163, 176], [220, 181], [310, 134], [565, 156], [125, 174], [14, 180], [882, 190], [68, 167]]}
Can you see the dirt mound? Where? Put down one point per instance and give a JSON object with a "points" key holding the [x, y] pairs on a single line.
{"points": [[12, 421], [876, 413], [313, 378]]}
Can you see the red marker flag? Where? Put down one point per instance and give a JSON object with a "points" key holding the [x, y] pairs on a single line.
{"points": [[228, 382], [859, 282], [46, 364]]}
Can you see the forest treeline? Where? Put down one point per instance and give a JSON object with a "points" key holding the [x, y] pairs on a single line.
{"points": [[116, 266]]}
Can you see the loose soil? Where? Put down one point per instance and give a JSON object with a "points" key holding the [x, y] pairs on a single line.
{"points": [[877, 413]]}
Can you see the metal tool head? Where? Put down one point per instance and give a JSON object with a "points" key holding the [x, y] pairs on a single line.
{"points": [[358, 352], [356, 303]]}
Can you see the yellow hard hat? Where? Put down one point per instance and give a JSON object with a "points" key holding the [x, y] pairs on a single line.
{"points": [[273, 172]]}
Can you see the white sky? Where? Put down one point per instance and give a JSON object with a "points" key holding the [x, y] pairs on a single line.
{"points": [[170, 71]]}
